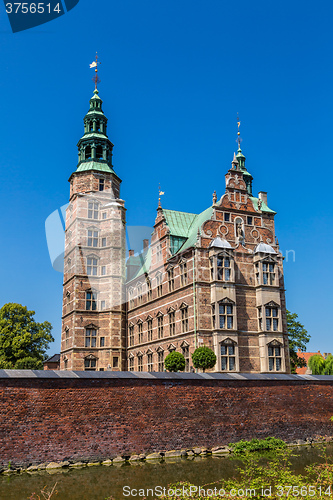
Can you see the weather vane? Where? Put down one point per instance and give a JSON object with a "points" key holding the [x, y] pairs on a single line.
{"points": [[95, 65], [239, 140], [160, 193]]}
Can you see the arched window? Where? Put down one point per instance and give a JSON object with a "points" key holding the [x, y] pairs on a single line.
{"points": [[87, 153], [91, 126], [98, 126], [99, 152]]}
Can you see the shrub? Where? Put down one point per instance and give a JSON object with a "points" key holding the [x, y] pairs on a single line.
{"points": [[174, 362], [269, 443], [204, 358]]}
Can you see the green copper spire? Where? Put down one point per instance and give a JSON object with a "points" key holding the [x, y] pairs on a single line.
{"points": [[95, 149], [241, 161]]}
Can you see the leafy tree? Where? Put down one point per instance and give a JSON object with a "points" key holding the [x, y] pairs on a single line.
{"points": [[298, 338], [174, 362], [320, 366], [204, 358], [23, 341]]}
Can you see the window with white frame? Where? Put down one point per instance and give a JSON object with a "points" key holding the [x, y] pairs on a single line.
{"points": [[272, 320], [228, 357], [92, 238], [160, 326], [92, 210], [140, 332], [159, 252], [223, 268], [91, 337], [171, 279], [131, 335], [160, 361], [268, 273], [131, 297], [274, 357], [149, 289], [91, 266], [150, 361], [184, 313], [131, 364], [226, 318], [159, 284], [140, 362], [150, 329], [140, 296], [172, 322], [183, 273]]}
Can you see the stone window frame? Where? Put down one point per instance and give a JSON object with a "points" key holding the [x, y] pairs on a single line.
{"points": [[139, 288], [131, 362], [150, 360], [272, 346], [172, 347], [159, 283], [91, 336], [140, 331], [131, 297], [183, 272], [159, 252], [91, 297], [93, 211], [92, 257], [160, 326], [149, 289], [90, 363], [131, 334], [262, 317], [149, 320], [226, 301], [92, 238], [172, 321], [216, 254], [160, 359], [259, 272], [171, 278], [228, 344], [140, 361], [185, 347], [184, 308]]}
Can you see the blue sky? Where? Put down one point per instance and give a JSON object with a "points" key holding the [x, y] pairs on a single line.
{"points": [[174, 75]]}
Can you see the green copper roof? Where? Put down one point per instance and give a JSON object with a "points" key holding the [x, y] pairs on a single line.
{"points": [[92, 135], [94, 165], [144, 259], [193, 230], [264, 207], [178, 222]]}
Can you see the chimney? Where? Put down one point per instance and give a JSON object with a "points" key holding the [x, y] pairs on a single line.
{"points": [[131, 253], [145, 244], [263, 196]]}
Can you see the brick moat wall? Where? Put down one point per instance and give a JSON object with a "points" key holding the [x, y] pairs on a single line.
{"points": [[76, 415]]}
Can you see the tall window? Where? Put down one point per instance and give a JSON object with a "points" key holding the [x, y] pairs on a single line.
{"points": [[268, 273], [90, 365], [159, 284], [150, 330], [92, 238], [140, 332], [186, 354], [184, 319], [139, 293], [183, 273], [91, 266], [131, 364], [87, 153], [91, 337], [102, 342], [160, 327], [171, 279], [160, 360], [260, 317], [223, 268], [131, 297], [149, 290], [92, 210], [228, 359], [140, 363], [91, 301], [131, 335], [272, 322], [274, 358], [213, 316], [172, 323], [159, 253], [150, 362], [226, 316], [101, 181]]}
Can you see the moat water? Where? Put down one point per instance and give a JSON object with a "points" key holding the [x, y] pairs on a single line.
{"points": [[101, 482]]}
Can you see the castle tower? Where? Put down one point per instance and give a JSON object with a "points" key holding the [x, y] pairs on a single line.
{"points": [[93, 321]]}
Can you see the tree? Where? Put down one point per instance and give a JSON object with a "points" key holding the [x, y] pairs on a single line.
{"points": [[174, 362], [320, 366], [204, 358], [23, 341], [298, 338]]}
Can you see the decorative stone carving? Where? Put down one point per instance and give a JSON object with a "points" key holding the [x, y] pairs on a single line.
{"points": [[223, 230]]}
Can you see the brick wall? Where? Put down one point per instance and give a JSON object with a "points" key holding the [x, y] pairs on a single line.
{"points": [[54, 416]]}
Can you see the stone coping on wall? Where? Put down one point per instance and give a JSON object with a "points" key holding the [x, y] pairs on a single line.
{"points": [[68, 374]]}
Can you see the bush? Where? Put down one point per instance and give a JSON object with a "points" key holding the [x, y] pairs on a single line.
{"points": [[269, 443], [204, 358], [174, 362]]}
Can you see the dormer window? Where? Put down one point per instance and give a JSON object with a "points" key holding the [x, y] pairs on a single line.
{"points": [[268, 273], [222, 265], [223, 268]]}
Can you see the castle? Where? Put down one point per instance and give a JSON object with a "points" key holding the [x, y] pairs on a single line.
{"points": [[214, 278]]}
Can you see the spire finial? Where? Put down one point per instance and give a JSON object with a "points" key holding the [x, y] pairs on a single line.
{"points": [[214, 198], [95, 65], [239, 140], [160, 193]]}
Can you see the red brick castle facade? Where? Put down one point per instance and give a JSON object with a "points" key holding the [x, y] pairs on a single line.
{"points": [[214, 278]]}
